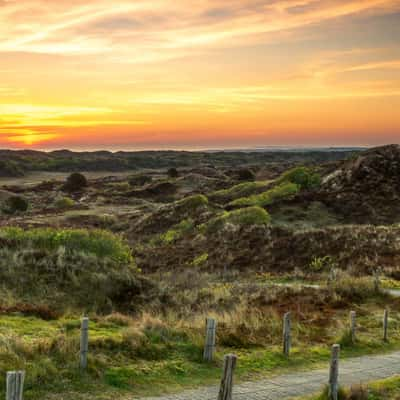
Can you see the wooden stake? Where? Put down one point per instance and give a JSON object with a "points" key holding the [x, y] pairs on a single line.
{"points": [[15, 385], [385, 325], [353, 326], [286, 334], [84, 343], [334, 373], [225, 391], [209, 345]]}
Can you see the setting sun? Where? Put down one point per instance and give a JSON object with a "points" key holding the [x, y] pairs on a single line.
{"points": [[198, 74]]}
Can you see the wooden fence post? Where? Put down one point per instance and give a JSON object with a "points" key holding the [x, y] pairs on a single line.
{"points": [[84, 343], [209, 345], [377, 282], [385, 325], [225, 390], [15, 385], [353, 326], [334, 373], [286, 334]]}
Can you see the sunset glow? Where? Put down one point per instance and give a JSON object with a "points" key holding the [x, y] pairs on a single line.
{"points": [[90, 74]]}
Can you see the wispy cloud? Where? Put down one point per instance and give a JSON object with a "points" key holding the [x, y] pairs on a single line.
{"points": [[123, 66], [96, 27]]}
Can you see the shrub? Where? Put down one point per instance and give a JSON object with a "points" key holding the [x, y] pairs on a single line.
{"points": [[243, 217], [64, 203], [15, 204], [342, 395], [305, 177], [193, 202], [173, 173], [245, 175], [200, 260], [241, 190], [98, 242], [177, 231], [75, 182], [283, 191], [319, 264]]}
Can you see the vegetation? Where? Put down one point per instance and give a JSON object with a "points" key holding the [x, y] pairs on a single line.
{"points": [[173, 173], [242, 217], [304, 177], [63, 203], [177, 231], [75, 182], [282, 191], [153, 351], [192, 202], [15, 204], [140, 180], [241, 190], [16, 163], [102, 244], [183, 250], [66, 268], [386, 389]]}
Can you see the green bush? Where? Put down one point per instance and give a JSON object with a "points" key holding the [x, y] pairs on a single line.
{"points": [[319, 264], [305, 177], [177, 231], [237, 191], [193, 202], [283, 191], [243, 217], [200, 260], [63, 203], [173, 173], [15, 204], [75, 182]]}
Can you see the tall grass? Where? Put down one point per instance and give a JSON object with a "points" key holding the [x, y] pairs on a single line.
{"points": [[98, 242]]}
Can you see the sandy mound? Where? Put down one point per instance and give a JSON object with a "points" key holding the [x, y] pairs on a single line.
{"points": [[367, 187]]}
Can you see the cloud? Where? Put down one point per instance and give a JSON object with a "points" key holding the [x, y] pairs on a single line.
{"points": [[80, 27]]}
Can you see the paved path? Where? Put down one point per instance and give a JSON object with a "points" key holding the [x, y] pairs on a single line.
{"points": [[351, 371]]}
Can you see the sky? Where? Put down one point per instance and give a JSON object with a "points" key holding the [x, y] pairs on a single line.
{"points": [[193, 74]]}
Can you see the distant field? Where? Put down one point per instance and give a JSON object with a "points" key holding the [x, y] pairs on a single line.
{"points": [[35, 178]]}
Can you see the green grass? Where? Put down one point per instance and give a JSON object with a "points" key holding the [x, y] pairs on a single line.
{"points": [[385, 389], [98, 242], [193, 202], [241, 190], [304, 177], [156, 360], [177, 231], [282, 191], [243, 217]]}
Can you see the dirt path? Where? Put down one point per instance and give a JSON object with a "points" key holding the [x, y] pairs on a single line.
{"points": [[351, 371]]}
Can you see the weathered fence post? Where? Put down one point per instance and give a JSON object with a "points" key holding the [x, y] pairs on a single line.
{"points": [[377, 282], [332, 276], [334, 373], [84, 343], [385, 325], [15, 385], [286, 334], [225, 390], [209, 345], [353, 326]]}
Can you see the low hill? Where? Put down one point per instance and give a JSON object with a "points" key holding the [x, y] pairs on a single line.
{"points": [[15, 163], [366, 188]]}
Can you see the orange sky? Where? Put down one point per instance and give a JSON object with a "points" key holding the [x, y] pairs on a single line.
{"points": [[124, 74]]}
